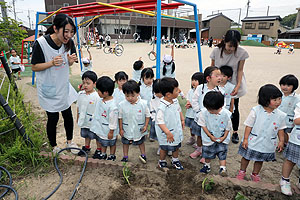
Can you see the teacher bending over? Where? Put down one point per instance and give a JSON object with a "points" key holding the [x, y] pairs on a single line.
{"points": [[229, 53], [52, 56]]}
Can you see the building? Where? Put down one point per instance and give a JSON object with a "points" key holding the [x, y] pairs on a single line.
{"points": [[267, 26], [215, 26], [294, 33], [124, 25]]}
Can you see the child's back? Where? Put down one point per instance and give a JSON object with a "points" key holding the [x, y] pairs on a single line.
{"points": [[228, 88]]}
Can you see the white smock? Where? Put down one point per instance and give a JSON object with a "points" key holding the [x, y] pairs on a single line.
{"points": [[55, 92]]}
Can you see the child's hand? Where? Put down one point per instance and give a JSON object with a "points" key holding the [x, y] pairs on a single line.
{"points": [[245, 144], [170, 137], [143, 129], [110, 135], [182, 124], [213, 138], [188, 105], [221, 139], [121, 132], [280, 146]]}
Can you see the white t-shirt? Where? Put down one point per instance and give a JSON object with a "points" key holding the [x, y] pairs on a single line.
{"points": [[232, 60], [14, 60]]}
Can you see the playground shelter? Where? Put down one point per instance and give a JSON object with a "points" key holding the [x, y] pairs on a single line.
{"points": [[147, 7], [28, 40]]}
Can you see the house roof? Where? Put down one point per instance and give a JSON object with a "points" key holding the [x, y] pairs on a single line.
{"points": [[210, 17], [262, 18], [295, 30]]}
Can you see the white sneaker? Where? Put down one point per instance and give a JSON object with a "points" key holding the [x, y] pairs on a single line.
{"points": [[73, 151], [56, 149], [158, 151], [285, 187], [170, 153]]}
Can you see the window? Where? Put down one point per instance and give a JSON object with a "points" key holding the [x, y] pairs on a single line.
{"points": [[66, 4], [263, 25], [250, 26], [122, 30], [271, 24]]}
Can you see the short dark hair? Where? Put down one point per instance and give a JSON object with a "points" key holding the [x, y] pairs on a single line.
{"points": [[266, 93], [137, 65], [198, 76], [105, 84], [289, 79], [147, 73], [130, 87], [208, 71], [121, 75], [232, 36], [226, 70], [155, 86], [90, 75], [167, 84], [213, 100]]}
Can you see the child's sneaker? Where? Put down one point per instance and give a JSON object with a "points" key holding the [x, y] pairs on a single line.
{"points": [[195, 145], [177, 165], [162, 164], [205, 169], [285, 187], [80, 153], [151, 140], [143, 159], [255, 178], [124, 159], [191, 141], [196, 153], [241, 175], [111, 157], [223, 172], [97, 154]]}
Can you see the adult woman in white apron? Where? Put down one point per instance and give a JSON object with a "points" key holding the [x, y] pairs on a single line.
{"points": [[229, 53], [52, 55]]}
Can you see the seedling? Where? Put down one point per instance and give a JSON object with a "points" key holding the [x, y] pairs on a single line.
{"points": [[240, 196], [207, 186], [126, 172]]}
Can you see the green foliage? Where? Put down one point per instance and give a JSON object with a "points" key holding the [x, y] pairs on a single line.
{"points": [[15, 155], [126, 172], [252, 43], [11, 35], [289, 20], [240, 196], [207, 186]]}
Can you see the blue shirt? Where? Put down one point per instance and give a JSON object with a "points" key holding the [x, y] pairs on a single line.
{"points": [[189, 112], [146, 92]]}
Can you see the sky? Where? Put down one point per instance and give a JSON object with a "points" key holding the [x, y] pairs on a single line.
{"points": [[205, 7]]}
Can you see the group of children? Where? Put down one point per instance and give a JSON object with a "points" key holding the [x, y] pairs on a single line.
{"points": [[128, 109]]}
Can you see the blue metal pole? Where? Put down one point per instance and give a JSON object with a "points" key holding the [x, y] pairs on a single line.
{"points": [[78, 44], [198, 38], [158, 36], [35, 37]]}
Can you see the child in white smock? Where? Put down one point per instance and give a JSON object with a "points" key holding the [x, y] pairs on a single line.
{"points": [[264, 125], [105, 123], [120, 78], [146, 82], [134, 116], [86, 104], [138, 66], [226, 74]]}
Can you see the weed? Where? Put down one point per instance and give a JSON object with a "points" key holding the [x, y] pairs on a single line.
{"points": [[240, 196], [126, 172], [207, 186]]}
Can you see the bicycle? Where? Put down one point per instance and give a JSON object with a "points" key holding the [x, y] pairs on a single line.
{"points": [[117, 50]]}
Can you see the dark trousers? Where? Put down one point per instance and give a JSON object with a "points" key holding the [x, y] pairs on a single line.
{"points": [[53, 118], [236, 115]]}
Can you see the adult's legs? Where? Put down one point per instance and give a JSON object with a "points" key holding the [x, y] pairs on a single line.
{"points": [[235, 121], [51, 127], [68, 123]]}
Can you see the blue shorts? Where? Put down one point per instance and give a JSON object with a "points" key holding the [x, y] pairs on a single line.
{"points": [[170, 148], [188, 122], [216, 149], [107, 143], [196, 129], [152, 130], [139, 142], [288, 130], [86, 133]]}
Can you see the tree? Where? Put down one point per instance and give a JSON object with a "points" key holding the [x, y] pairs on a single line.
{"points": [[289, 20], [11, 35]]}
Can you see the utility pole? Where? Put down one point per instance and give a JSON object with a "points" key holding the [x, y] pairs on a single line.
{"points": [[248, 5], [29, 19], [268, 11], [3, 10]]}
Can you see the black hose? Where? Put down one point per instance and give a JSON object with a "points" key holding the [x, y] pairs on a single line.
{"points": [[60, 175], [8, 187]]}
